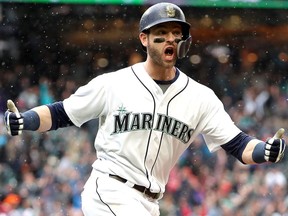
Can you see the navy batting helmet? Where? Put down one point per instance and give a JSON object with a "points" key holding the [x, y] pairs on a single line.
{"points": [[161, 13]]}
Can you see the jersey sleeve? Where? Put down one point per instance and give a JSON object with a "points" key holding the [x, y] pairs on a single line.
{"points": [[217, 126], [87, 102]]}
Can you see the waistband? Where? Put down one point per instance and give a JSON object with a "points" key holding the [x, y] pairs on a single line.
{"points": [[139, 188]]}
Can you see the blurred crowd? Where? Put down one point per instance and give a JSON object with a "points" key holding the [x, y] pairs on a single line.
{"points": [[43, 174]]}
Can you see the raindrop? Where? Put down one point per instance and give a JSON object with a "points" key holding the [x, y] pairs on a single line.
{"points": [[195, 59]]}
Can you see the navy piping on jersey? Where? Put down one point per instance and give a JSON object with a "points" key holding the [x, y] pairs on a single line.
{"points": [[101, 198], [167, 82], [148, 142], [167, 113]]}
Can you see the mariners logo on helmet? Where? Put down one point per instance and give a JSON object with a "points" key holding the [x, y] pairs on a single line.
{"points": [[170, 11], [161, 13]]}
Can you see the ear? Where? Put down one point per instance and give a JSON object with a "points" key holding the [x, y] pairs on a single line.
{"points": [[144, 39]]}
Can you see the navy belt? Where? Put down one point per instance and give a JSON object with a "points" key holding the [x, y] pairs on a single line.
{"points": [[139, 188]]}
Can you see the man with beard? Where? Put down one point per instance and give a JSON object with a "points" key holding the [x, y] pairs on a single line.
{"points": [[149, 114]]}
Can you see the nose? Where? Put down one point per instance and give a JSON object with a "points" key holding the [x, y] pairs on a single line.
{"points": [[170, 37]]}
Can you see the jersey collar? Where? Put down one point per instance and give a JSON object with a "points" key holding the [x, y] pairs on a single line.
{"points": [[167, 82]]}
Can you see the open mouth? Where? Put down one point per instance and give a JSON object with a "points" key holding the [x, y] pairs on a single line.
{"points": [[169, 51]]}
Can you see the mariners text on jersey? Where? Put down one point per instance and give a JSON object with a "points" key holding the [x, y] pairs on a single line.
{"points": [[127, 122]]}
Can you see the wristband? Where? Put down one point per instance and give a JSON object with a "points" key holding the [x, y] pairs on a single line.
{"points": [[259, 153], [31, 120]]}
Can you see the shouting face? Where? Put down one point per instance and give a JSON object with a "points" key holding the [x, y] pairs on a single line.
{"points": [[161, 43]]}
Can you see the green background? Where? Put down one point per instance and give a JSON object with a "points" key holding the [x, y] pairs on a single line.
{"points": [[196, 3]]}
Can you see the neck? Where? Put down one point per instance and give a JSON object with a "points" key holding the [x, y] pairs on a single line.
{"points": [[158, 72]]}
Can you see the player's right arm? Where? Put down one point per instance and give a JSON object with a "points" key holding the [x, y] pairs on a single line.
{"points": [[45, 120], [42, 118]]}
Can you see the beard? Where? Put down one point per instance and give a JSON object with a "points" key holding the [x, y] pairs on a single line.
{"points": [[156, 57]]}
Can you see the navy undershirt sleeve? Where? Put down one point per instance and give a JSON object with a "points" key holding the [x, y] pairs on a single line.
{"points": [[237, 145], [59, 117]]}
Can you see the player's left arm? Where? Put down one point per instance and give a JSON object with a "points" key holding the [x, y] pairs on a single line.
{"points": [[250, 150]]}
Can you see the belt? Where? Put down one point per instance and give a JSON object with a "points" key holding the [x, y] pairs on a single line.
{"points": [[139, 188]]}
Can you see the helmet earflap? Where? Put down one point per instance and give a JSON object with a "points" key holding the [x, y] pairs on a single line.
{"points": [[183, 47]]}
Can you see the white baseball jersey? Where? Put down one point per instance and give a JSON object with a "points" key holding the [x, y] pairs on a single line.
{"points": [[144, 131]]}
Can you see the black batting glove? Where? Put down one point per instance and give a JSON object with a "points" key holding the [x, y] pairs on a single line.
{"points": [[270, 151], [14, 123], [274, 149]]}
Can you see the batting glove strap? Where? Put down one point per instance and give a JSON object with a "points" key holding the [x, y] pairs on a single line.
{"points": [[258, 154], [17, 122]]}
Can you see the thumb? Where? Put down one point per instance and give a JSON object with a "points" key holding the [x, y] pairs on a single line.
{"points": [[11, 106], [279, 134]]}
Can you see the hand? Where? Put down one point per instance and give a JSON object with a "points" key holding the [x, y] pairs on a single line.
{"points": [[275, 147], [14, 121]]}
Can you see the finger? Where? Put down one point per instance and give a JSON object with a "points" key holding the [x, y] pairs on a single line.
{"points": [[16, 133], [8, 123], [279, 134], [16, 127], [11, 106]]}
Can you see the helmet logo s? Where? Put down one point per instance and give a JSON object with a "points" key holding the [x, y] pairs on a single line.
{"points": [[170, 11]]}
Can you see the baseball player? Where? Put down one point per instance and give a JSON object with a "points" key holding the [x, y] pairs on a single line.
{"points": [[149, 113]]}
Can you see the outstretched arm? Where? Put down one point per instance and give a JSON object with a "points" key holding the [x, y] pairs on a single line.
{"points": [[250, 150], [41, 118], [272, 150], [45, 118]]}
